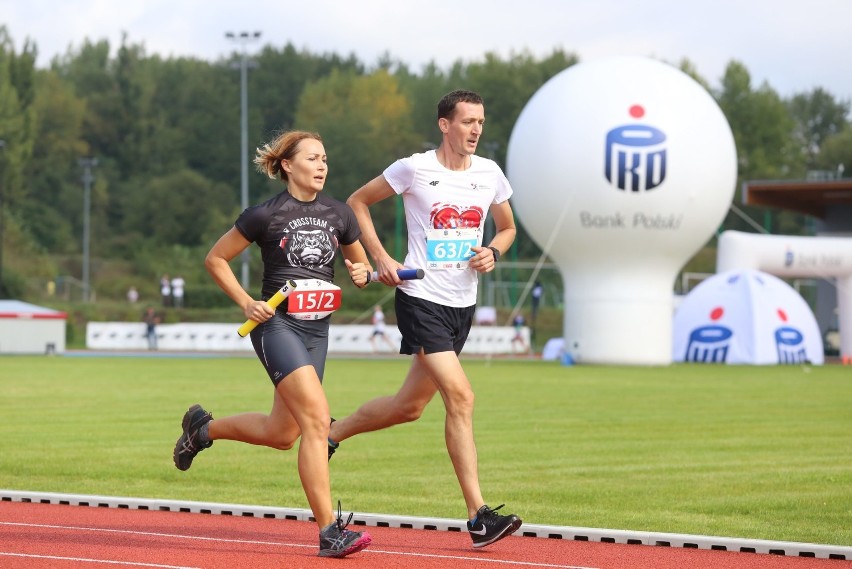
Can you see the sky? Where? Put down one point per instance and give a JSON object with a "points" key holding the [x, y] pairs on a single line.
{"points": [[794, 46]]}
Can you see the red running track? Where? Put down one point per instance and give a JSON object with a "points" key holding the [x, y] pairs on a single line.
{"points": [[41, 536]]}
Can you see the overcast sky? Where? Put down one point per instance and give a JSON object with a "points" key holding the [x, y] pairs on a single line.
{"points": [[793, 45]]}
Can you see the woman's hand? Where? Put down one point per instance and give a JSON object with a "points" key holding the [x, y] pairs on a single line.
{"points": [[359, 273], [258, 310]]}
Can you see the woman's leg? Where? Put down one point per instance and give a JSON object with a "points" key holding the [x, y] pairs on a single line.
{"points": [[278, 429], [306, 406]]}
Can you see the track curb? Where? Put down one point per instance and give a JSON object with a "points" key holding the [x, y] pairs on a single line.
{"points": [[686, 541]]}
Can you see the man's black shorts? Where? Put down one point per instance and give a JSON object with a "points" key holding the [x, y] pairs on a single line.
{"points": [[430, 326]]}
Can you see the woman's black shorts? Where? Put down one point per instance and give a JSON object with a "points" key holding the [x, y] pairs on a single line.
{"points": [[284, 344]]}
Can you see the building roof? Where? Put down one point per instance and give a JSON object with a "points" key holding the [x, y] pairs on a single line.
{"points": [[20, 309], [804, 196]]}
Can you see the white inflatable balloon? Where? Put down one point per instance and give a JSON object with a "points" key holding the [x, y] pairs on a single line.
{"points": [[622, 169]]}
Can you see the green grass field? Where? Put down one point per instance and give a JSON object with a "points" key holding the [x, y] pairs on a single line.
{"points": [[751, 452]]}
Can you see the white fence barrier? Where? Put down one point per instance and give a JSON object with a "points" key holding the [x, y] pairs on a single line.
{"points": [[217, 337]]}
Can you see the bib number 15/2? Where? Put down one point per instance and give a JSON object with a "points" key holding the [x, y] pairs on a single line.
{"points": [[313, 299]]}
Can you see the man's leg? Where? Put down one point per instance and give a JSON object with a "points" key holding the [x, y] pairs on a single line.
{"points": [[485, 525], [455, 389], [405, 406]]}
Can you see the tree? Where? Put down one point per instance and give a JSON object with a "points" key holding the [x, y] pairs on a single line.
{"points": [[836, 152], [365, 122], [762, 128], [179, 208], [16, 115], [166, 134], [53, 205], [817, 116], [689, 68]]}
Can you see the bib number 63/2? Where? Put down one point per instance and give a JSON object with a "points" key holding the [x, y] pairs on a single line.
{"points": [[450, 248]]}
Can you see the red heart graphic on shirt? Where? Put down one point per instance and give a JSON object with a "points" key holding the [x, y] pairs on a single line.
{"points": [[449, 217], [471, 218]]}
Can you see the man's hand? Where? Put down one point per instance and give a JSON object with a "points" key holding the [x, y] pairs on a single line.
{"points": [[483, 261]]}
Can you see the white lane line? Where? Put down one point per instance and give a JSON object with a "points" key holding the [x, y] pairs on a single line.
{"points": [[87, 560], [466, 558], [283, 544], [156, 534]]}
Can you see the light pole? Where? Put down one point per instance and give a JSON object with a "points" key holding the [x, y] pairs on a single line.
{"points": [[86, 164], [2, 201], [244, 38]]}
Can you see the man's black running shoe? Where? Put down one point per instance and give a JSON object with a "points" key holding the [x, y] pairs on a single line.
{"points": [[188, 445], [488, 526], [337, 541]]}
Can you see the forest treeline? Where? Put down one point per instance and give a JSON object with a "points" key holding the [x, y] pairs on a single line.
{"points": [[166, 134]]}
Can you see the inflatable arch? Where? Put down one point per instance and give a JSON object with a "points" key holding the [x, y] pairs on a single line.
{"points": [[789, 256]]}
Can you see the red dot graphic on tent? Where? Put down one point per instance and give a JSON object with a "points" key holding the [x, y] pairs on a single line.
{"points": [[637, 111], [782, 315], [717, 313]]}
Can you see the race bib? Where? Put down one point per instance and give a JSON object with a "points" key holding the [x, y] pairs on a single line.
{"points": [[313, 299], [451, 248]]}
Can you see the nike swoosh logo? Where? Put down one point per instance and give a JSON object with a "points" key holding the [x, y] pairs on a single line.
{"points": [[482, 531]]}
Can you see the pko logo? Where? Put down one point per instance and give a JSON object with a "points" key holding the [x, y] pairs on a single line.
{"points": [[709, 344], [635, 158], [790, 344]]}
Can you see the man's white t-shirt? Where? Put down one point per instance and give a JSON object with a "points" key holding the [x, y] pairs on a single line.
{"points": [[436, 198]]}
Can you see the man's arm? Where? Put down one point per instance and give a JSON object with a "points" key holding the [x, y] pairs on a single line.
{"points": [[370, 193], [504, 223]]}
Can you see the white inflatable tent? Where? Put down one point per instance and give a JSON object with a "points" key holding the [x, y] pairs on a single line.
{"points": [[746, 317]]}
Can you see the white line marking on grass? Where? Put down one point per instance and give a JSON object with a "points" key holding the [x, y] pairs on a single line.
{"points": [[300, 545], [87, 560]]}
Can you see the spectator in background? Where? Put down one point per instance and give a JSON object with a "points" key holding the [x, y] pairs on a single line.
{"points": [[536, 294], [151, 319], [518, 338], [132, 295], [177, 291], [166, 290], [379, 329]]}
